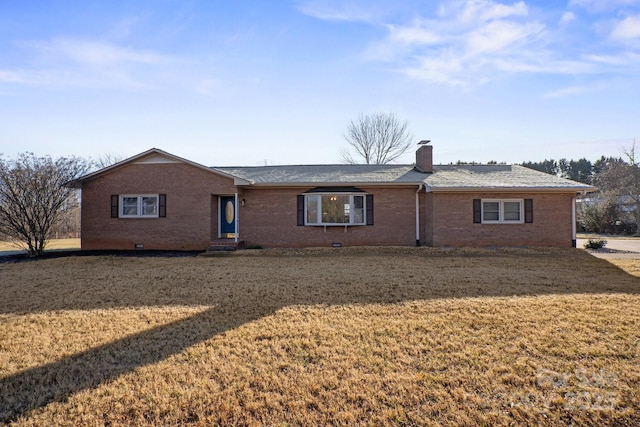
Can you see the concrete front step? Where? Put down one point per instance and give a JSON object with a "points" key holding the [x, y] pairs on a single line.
{"points": [[225, 245]]}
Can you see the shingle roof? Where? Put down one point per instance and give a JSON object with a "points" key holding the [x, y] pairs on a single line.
{"points": [[328, 174], [497, 177], [444, 177]]}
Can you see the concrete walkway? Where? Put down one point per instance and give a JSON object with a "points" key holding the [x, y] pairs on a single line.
{"points": [[616, 247]]}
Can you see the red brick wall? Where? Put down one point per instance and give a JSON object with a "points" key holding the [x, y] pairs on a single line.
{"points": [[269, 219], [424, 158], [426, 219], [191, 212], [452, 221], [269, 216]]}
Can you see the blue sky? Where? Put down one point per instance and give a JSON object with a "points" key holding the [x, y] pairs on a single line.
{"points": [[276, 82]]}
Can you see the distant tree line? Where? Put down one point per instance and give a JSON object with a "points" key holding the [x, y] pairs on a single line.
{"points": [[490, 162], [581, 170]]}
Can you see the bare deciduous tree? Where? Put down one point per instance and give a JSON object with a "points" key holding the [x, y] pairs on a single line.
{"points": [[34, 198], [376, 139], [633, 180], [108, 159], [621, 178]]}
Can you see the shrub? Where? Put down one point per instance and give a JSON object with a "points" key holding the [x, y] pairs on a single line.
{"points": [[595, 244], [600, 217]]}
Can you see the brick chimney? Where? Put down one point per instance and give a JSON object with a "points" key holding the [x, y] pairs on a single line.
{"points": [[424, 157]]}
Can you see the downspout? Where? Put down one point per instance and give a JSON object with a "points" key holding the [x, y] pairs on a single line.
{"points": [[573, 222], [237, 211], [418, 215]]}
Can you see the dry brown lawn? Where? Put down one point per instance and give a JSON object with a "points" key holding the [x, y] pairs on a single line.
{"points": [[54, 244], [396, 336]]}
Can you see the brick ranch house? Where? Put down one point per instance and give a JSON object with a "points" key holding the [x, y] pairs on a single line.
{"points": [[156, 200]]}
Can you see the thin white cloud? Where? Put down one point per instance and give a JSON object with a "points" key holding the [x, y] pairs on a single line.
{"points": [[69, 62], [567, 91], [334, 10], [467, 42], [602, 5], [446, 69], [501, 36], [627, 29], [479, 11], [541, 63], [95, 53], [413, 35], [567, 18], [60, 77], [123, 28], [621, 60], [13, 76]]}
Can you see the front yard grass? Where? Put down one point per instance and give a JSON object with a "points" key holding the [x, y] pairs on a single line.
{"points": [[55, 244], [378, 336]]}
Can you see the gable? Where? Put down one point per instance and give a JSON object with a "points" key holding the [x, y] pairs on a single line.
{"points": [[150, 157]]}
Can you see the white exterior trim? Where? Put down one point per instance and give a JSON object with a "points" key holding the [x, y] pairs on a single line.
{"points": [[236, 219], [139, 206], [573, 220], [418, 215], [509, 189], [501, 215]]}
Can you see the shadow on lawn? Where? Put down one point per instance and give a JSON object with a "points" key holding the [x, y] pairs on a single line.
{"points": [[35, 388], [55, 382]]}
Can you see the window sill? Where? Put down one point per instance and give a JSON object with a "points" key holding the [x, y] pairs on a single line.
{"points": [[334, 225], [502, 222]]}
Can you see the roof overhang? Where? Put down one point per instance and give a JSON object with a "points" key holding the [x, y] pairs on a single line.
{"points": [[333, 184], [334, 189], [489, 189]]}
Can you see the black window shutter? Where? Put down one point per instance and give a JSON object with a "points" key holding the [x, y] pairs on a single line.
{"points": [[162, 205], [369, 209], [528, 211], [300, 209], [477, 211], [115, 199]]}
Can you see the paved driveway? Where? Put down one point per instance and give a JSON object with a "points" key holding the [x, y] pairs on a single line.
{"points": [[628, 247]]}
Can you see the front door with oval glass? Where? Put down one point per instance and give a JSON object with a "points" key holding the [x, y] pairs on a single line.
{"points": [[227, 217]]}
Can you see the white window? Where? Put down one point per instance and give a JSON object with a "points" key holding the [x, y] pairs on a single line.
{"points": [[506, 211], [335, 209], [139, 206]]}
